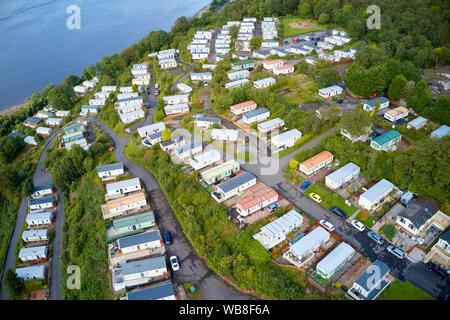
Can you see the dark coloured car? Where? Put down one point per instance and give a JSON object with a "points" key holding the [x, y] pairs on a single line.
{"points": [[338, 101], [167, 238], [375, 237], [440, 272], [338, 211], [305, 185], [286, 42]]}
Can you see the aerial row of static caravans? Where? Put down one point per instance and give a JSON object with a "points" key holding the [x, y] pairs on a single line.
{"points": [[36, 238], [44, 122], [135, 247]]}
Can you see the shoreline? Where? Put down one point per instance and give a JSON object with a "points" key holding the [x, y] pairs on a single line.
{"points": [[10, 110]]}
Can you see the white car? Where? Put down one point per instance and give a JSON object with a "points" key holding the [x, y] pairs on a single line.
{"points": [[358, 225], [174, 263], [327, 225]]}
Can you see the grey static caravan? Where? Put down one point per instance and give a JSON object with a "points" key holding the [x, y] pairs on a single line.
{"points": [[123, 187], [176, 108], [33, 254], [32, 273], [43, 203], [35, 235], [177, 99], [264, 83]]}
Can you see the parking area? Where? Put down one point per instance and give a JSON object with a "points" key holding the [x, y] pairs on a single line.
{"points": [[419, 275]]}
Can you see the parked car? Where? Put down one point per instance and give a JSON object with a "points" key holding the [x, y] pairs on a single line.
{"points": [[174, 263], [156, 86], [156, 92], [315, 197], [375, 237], [305, 185], [338, 100], [273, 206], [205, 83], [441, 273], [167, 238], [395, 251], [358, 225], [338, 211], [327, 225]]}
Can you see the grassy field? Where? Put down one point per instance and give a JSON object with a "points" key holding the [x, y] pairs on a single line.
{"points": [[329, 200], [302, 89], [288, 31], [398, 290]]}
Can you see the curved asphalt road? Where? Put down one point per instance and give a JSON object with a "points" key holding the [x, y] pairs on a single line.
{"points": [[40, 176], [193, 269]]}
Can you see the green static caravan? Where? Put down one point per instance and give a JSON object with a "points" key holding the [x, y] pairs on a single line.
{"points": [[335, 260], [221, 171], [130, 225], [387, 141], [74, 136], [74, 128], [241, 65]]}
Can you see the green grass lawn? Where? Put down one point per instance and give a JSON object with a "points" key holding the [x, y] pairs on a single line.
{"points": [[398, 290], [288, 31], [329, 200], [366, 218]]}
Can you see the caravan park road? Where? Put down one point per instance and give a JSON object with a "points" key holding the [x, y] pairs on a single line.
{"points": [[193, 268]]}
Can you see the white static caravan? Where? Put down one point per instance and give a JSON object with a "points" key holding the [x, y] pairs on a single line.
{"points": [[335, 260], [298, 50], [54, 122], [110, 170], [200, 55], [396, 114], [342, 175], [286, 139], [41, 203], [168, 63], [62, 113], [101, 95], [270, 125], [286, 69], [140, 81], [417, 123], [176, 108], [370, 105], [32, 273], [42, 190], [97, 102], [256, 115], [270, 44], [124, 96], [224, 134], [132, 116], [135, 273], [142, 241], [204, 122], [109, 89], [80, 90], [329, 92], [184, 88], [264, 83], [33, 253], [40, 218], [222, 50], [188, 150], [126, 89], [269, 65], [45, 131], [276, 231], [123, 187], [375, 194], [35, 235], [209, 66], [236, 84], [205, 159], [302, 250], [203, 76], [177, 99], [236, 75], [152, 128], [234, 186]]}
